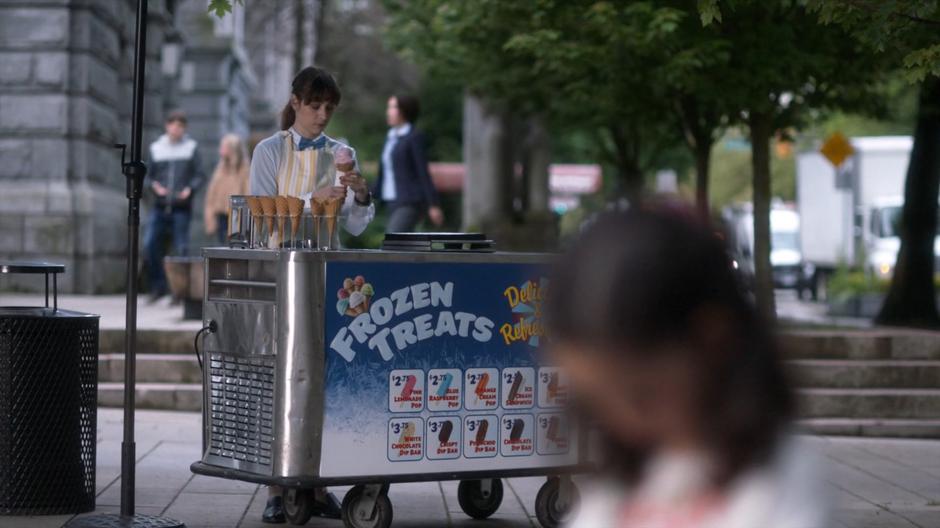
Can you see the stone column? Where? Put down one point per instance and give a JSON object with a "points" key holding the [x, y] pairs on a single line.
{"points": [[61, 187]]}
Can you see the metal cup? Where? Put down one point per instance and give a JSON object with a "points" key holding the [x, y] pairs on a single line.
{"points": [[238, 231]]}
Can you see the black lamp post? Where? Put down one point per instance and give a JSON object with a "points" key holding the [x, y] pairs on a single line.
{"points": [[134, 171]]}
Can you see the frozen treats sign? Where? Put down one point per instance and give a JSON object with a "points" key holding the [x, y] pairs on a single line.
{"points": [[405, 317]]}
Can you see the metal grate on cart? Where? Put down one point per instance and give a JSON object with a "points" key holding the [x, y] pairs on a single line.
{"points": [[241, 407]]}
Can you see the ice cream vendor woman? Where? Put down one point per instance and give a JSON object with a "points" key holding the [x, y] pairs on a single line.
{"points": [[298, 160]]}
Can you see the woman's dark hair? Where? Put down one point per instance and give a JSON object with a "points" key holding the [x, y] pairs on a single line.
{"points": [[408, 107], [639, 281], [309, 85]]}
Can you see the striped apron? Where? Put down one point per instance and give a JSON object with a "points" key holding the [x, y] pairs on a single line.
{"points": [[302, 172]]}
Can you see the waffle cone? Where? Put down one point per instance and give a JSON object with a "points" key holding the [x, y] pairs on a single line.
{"points": [[280, 205], [270, 210], [295, 207], [254, 205], [333, 206], [317, 206]]}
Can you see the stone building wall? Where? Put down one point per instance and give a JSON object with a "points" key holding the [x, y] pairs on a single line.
{"points": [[65, 96]]}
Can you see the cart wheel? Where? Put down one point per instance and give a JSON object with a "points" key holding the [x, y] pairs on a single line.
{"points": [[298, 505], [381, 517], [473, 503], [547, 509]]}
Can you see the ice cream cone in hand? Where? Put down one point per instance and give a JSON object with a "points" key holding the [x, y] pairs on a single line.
{"points": [[343, 159]]}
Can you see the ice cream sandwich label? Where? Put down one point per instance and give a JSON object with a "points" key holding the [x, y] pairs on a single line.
{"points": [[518, 386], [553, 387], [406, 391], [481, 389], [517, 432], [480, 436], [405, 439], [552, 438], [443, 438], [444, 390]]}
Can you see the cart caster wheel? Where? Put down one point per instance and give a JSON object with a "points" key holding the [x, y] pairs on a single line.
{"points": [[298, 505], [550, 513], [356, 499], [473, 503]]}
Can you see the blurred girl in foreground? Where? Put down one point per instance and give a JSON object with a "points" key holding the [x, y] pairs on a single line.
{"points": [[682, 378]]}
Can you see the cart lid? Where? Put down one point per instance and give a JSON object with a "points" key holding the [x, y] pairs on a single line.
{"points": [[438, 242]]}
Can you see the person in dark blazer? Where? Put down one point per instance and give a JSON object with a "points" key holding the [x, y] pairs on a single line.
{"points": [[404, 184]]}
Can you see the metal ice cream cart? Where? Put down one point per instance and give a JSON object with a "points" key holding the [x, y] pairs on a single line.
{"points": [[368, 368]]}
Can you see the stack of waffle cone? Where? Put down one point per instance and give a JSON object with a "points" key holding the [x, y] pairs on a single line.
{"points": [[270, 210], [333, 206], [254, 205], [295, 206], [317, 209], [280, 205]]}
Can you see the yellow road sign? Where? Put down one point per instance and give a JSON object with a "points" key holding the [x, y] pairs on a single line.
{"points": [[837, 149]]}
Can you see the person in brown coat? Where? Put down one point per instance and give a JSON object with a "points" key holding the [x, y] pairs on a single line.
{"points": [[230, 178]]}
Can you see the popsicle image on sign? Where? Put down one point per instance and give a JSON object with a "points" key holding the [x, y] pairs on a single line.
{"points": [[481, 385], [446, 380], [409, 386], [517, 427], [407, 430], [482, 428], [516, 385], [552, 433], [447, 428]]}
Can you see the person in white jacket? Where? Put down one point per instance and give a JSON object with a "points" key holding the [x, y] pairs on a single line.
{"points": [[679, 373]]}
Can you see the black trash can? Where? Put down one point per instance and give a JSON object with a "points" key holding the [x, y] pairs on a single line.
{"points": [[48, 405]]}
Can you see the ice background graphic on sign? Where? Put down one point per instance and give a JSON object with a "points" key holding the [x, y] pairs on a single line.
{"points": [[357, 393]]}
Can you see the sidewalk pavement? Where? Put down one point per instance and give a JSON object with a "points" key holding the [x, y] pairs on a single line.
{"points": [[151, 316], [878, 483]]}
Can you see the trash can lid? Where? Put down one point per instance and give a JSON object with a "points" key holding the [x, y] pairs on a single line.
{"points": [[22, 266]]}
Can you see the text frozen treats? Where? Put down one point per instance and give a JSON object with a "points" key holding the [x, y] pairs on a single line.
{"points": [[380, 324]]}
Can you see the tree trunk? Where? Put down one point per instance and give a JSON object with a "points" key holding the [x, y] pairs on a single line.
{"points": [[298, 35], [911, 300], [761, 130], [703, 153], [625, 156], [538, 165]]}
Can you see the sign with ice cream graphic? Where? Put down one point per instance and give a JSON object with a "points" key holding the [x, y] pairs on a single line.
{"points": [[435, 367]]}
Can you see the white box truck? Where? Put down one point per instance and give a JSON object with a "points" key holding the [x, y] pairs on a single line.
{"points": [[850, 216]]}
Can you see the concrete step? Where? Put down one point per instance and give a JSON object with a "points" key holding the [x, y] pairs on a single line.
{"points": [[869, 403], [871, 427], [152, 368], [167, 396], [861, 344], [865, 373], [111, 341]]}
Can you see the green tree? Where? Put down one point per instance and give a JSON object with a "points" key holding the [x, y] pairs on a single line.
{"points": [[908, 33], [583, 65], [784, 68]]}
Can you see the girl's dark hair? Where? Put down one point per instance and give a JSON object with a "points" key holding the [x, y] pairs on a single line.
{"points": [[309, 85], [641, 279], [408, 107]]}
